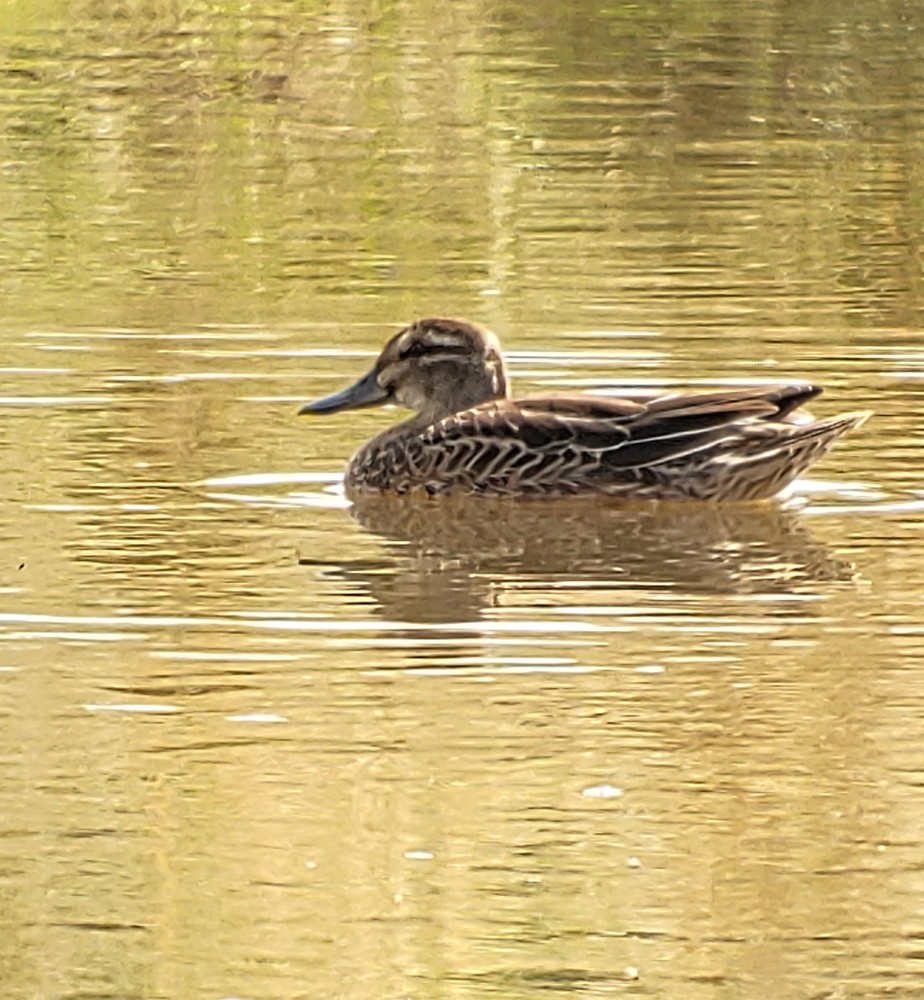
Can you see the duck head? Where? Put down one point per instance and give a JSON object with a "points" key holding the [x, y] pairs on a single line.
{"points": [[434, 366]]}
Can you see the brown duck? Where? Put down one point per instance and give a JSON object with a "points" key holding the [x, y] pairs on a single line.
{"points": [[469, 437]]}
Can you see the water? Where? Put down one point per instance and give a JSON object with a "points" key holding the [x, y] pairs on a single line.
{"points": [[260, 743]]}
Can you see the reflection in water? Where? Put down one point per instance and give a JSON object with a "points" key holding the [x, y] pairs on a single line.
{"points": [[457, 555]]}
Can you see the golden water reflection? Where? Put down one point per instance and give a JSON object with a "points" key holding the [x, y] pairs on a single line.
{"points": [[257, 744]]}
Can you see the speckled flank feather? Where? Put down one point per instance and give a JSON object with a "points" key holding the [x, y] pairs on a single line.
{"points": [[744, 444]]}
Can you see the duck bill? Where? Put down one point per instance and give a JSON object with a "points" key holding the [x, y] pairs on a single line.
{"points": [[365, 392]]}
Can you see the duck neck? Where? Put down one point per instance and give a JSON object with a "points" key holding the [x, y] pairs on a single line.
{"points": [[468, 393]]}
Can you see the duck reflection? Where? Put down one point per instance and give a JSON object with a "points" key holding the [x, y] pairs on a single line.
{"points": [[452, 558]]}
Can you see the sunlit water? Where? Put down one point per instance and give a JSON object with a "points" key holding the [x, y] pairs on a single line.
{"points": [[259, 742]]}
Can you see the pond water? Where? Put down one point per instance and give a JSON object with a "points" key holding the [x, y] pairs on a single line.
{"points": [[259, 743]]}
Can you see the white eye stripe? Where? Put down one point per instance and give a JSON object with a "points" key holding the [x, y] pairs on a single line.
{"points": [[441, 339], [437, 338], [411, 345]]}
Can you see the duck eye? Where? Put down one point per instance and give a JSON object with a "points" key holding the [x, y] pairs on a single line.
{"points": [[416, 349]]}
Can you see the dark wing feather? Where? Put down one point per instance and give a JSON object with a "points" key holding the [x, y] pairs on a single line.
{"points": [[678, 425], [779, 400]]}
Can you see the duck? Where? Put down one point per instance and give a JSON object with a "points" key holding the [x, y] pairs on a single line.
{"points": [[469, 436]]}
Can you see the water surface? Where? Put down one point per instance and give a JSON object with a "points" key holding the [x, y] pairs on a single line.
{"points": [[261, 743]]}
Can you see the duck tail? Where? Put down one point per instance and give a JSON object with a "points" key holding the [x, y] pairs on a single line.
{"points": [[833, 427]]}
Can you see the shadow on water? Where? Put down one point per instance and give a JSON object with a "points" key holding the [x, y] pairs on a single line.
{"points": [[451, 559]]}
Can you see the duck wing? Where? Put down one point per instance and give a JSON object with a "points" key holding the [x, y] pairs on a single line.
{"points": [[564, 441]]}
